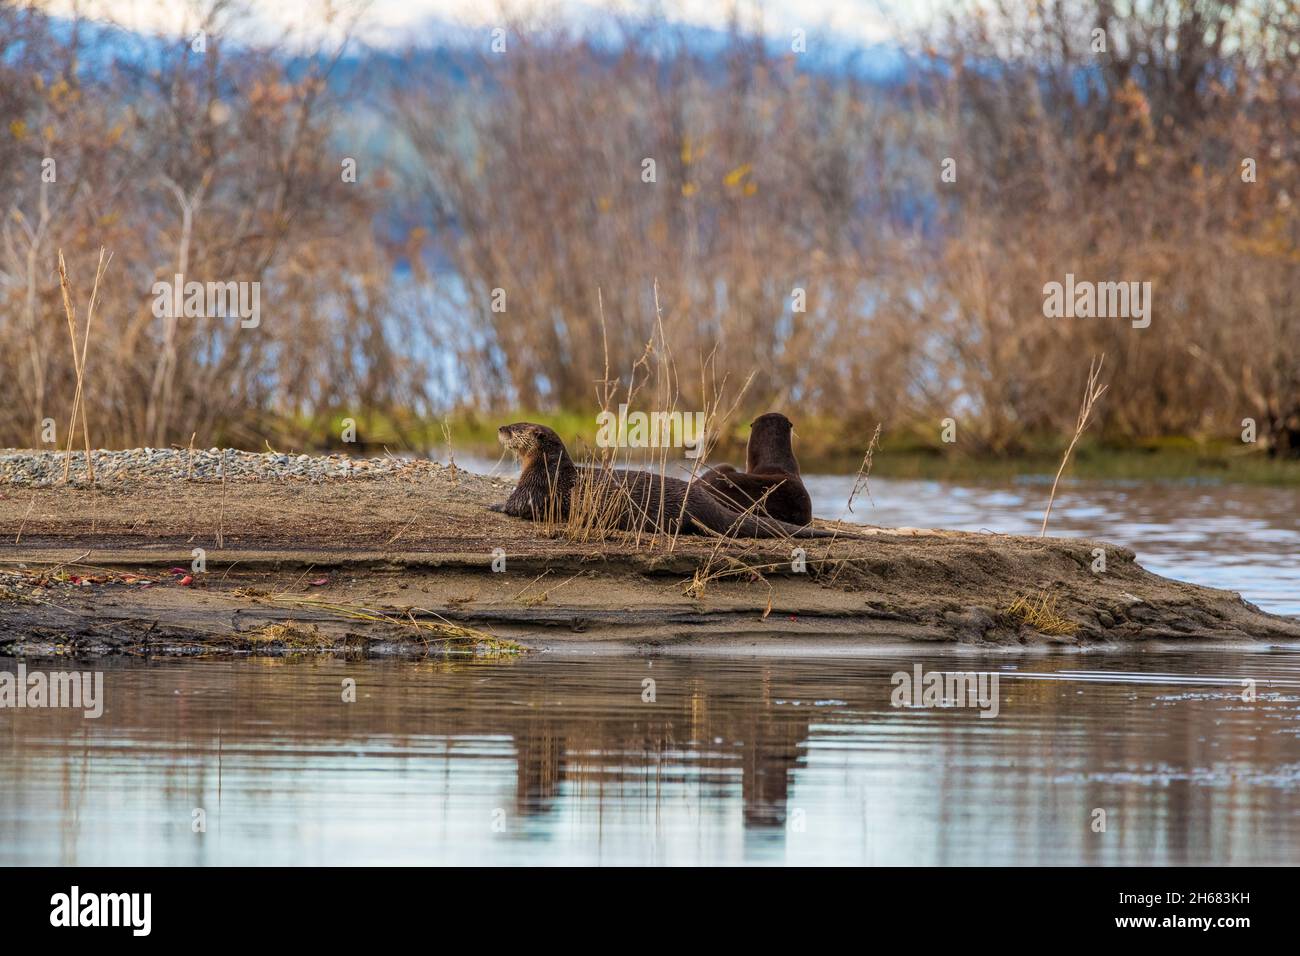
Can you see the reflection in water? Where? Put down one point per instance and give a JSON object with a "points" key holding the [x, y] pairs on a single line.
{"points": [[561, 760]]}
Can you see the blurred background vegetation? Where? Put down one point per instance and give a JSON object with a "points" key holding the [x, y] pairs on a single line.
{"points": [[775, 170]]}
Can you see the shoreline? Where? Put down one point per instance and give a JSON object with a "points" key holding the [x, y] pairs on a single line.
{"points": [[905, 457], [909, 451], [396, 558]]}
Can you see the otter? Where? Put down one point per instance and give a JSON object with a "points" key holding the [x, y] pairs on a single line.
{"points": [[771, 470], [638, 500]]}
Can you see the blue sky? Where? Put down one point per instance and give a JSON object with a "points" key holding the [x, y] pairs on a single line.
{"points": [[391, 21]]}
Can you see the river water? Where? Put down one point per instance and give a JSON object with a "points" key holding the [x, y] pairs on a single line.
{"points": [[1242, 538], [1099, 757]]}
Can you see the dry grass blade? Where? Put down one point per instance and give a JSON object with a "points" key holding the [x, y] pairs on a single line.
{"points": [[1092, 391], [439, 630]]}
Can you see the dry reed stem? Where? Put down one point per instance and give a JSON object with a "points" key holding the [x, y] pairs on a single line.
{"points": [[70, 311], [532, 600], [22, 524], [221, 515], [860, 483], [79, 361], [735, 568], [1092, 391], [402, 530], [79, 399], [451, 457]]}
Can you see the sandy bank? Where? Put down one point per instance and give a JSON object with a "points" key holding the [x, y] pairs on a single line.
{"points": [[359, 563]]}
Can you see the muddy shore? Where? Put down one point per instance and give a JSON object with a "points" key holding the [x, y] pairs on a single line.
{"points": [[401, 562]]}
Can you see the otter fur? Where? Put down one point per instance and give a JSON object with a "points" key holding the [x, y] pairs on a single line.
{"points": [[771, 475], [640, 500]]}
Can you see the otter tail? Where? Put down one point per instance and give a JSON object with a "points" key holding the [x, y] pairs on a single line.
{"points": [[717, 517], [752, 526]]}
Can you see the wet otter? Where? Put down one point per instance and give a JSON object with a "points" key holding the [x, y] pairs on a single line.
{"points": [[640, 500], [770, 469]]}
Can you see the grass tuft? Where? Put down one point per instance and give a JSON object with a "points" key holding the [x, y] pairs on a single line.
{"points": [[1040, 614], [289, 634]]}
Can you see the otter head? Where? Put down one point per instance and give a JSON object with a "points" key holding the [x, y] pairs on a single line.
{"points": [[773, 422], [533, 444], [770, 444]]}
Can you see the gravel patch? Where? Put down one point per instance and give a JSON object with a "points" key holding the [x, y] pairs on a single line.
{"points": [[45, 468]]}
